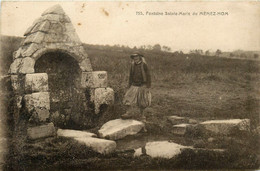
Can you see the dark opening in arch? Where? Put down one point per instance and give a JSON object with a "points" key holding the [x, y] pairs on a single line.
{"points": [[67, 99]]}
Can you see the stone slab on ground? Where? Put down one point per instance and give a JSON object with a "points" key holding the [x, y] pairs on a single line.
{"points": [[177, 119], [226, 127], [74, 133], [42, 131], [117, 129], [161, 149], [180, 129], [99, 145]]}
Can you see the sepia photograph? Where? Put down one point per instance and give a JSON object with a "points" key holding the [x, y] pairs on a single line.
{"points": [[127, 85]]}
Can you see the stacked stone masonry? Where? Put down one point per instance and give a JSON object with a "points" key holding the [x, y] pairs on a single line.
{"points": [[52, 32]]}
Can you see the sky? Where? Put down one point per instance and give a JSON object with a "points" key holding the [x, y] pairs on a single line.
{"points": [[118, 23]]}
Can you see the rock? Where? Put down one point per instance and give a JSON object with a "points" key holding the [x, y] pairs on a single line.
{"points": [[16, 84], [226, 127], [85, 65], [102, 96], [56, 9], [193, 121], [73, 37], [26, 66], [69, 27], [177, 120], [99, 145], [43, 26], [30, 49], [42, 131], [42, 114], [37, 100], [52, 18], [55, 38], [36, 82], [17, 54], [57, 28], [117, 129], [180, 129], [14, 67], [138, 152], [37, 37], [162, 149], [74, 133], [38, 20], [94, 79]]}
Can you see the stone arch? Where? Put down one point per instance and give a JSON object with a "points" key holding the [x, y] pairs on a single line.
{"points": [[76, 53], [38, 54]]}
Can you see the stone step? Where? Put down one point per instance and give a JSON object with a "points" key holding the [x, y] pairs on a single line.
{"points": [[175, 120], [180, 129], [99, 145], [162, 149], [43, 131], [74, 133], [225, 127], [117, 129]]}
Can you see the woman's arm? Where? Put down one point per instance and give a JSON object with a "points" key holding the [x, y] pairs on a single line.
{"points": [[148, 76], [130, 81]]}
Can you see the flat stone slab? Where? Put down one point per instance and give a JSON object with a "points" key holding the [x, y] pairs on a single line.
{"points": [[99, 145], [42, 131], [161, 149], [180, 129], [226, 127], [74, 133], [177, 119], [117, 129]]}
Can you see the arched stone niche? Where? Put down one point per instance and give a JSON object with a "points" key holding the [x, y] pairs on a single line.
{"points": [[67, 97], [51, 74]]}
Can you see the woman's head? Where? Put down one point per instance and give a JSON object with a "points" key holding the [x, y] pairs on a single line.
{"points": [[137, 57]]}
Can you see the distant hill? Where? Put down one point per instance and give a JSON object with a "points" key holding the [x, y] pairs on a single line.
{"points": [[9, 44], [240, 54]]}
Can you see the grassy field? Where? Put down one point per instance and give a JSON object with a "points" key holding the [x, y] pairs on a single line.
{"points": [[198, 87]]}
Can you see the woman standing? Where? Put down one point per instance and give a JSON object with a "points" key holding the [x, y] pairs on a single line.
{"points": [[138, 95]]}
